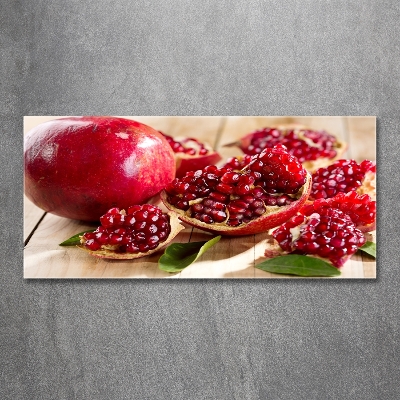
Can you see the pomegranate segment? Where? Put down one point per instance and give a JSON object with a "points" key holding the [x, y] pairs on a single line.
{"points": [[328, 233], [360, 208], [313, 148], [137, 232], [191, 154], [272, 187], [344, 176]]}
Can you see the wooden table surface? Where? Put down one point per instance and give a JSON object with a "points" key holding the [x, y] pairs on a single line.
{"points": [[230, 257]]}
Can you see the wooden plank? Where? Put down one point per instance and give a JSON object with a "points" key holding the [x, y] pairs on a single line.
{"points": [[362, 137], [229, 258], [32, 216]]}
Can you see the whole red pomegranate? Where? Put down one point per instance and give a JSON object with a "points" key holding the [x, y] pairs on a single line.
{"points": [[80, 167]]}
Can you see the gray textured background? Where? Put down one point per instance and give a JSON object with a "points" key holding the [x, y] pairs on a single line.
{"points": [[199, 339]]}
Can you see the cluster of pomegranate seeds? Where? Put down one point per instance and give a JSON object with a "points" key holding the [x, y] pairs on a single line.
{"points": [[223, 195], [140, 229], [360, 208], [190, 146], [238, 163], [305, 144], [328, 233], [341, 177], [277, 171]]}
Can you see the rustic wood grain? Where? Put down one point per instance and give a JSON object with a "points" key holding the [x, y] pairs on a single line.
{"points": [[32, 216], [231, 258], [361, 137]]}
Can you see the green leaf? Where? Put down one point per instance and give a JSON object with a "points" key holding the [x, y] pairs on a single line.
{"points": [[369, 248], [294, 264], [74, 240], [178, 256]]}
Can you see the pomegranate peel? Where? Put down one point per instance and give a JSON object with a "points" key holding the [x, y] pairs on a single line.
{"points": [[108, 242], [271, 189], [191, 154]]}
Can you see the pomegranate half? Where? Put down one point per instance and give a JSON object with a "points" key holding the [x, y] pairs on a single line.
{"points": [[313, 148], [79, 167], [272, 188]]}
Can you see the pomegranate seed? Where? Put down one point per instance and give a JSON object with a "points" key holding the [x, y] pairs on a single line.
{"points": [[233, 222], [197, 207], [92, 244], [242, 189], [113, 210], [89, 235], [259, 211], [230, 177], [101, 237], [206, 218], [246, 179], [114, 239], [107, 220], [270, 201], [218, 215], [224, 188], [219, 196]]}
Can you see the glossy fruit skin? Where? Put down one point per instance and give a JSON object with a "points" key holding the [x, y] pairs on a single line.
{"points": [[79, 167]]}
